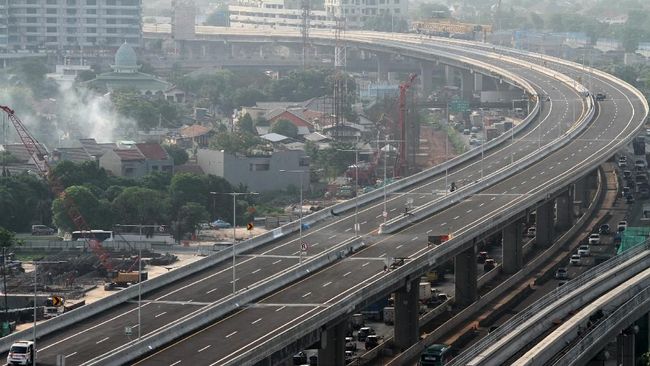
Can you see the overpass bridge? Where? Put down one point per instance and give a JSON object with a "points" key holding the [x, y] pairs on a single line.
{"points": [[284, 305]]}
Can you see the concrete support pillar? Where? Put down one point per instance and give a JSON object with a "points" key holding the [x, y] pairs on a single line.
{"points": [[512, 247], [465, 268], [382, 66], [450, 79], [581, 192], [625, 349], [478, 82], [564, 207], [545, 228], [426, 76], [332, 345], [406, 315], [467, 85]]}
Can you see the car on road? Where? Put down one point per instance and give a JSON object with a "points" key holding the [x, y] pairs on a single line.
{"points": [[627, 174], [561, 273], [600, 96], [21, 353], [364, 332], [350, 344], [372, 341], [220, 224], [349, 355], [489, 265], [584, 251], [604, 229], [531, 232], [481, 257], [629, 198], [42, 230], [622, 225], [640, 163], [622, 164], [594, 239], [574, 260]]}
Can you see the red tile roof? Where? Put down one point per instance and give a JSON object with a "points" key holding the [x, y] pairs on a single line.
{"points": [[152, 151], [129, 154]]}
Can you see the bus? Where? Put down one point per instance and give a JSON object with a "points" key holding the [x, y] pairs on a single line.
{"points": [[99, 235], [436, 355]]}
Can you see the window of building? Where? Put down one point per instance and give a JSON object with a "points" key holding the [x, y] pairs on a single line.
{"points": [[110, 21], [91, 30], [258, 167], [91, 11], [51, 20], [50, 2], [71, 30], [304, 161], [30, 11], [396, 11], [111, 11], [111, 2], [71, 2], [91, 20], [50, 11], [51, 29], [154, 168], [111, 30], [71, 39], [50, 39], [91, 39], [71, 20], [32, 29], [31, 20], [71, 11], [31, 39], [128, 171], [31, 2], [91, 2]]}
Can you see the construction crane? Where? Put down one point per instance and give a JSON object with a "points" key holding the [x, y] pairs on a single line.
{"points": [[39, 155], [401, 163]]}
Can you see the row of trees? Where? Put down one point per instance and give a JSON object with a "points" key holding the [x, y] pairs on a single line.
{"points": [[182, 200]]}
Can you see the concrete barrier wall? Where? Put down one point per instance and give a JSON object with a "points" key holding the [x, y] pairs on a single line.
{"points": [[191, 322]]}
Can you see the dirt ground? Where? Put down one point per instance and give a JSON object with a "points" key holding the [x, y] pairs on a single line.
{"points": [[432, 143]]}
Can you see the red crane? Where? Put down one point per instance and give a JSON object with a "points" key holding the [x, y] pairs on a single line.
{"points": [[401, 163], [39, 155]]}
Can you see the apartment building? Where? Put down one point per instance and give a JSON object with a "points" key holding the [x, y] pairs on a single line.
{"points": [[67, 24]]}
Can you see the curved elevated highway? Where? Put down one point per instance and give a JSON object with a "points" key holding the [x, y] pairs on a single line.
{"points": [[543, 164]]}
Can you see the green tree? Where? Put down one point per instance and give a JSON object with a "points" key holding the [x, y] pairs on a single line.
{"points": [[77, 174], [188, 187], [286, 128], [24, 200], [190, 215], [235, 142], [32, 71], [96, 212], [8, 239], [178, 154], [136, 205], [157, 180], [246, 124]]}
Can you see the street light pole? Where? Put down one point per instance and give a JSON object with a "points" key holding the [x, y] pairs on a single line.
{"points": [[234, 231], [302, 178], [36, 263]]}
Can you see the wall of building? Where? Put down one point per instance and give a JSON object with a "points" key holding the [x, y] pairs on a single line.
{"points": [[129, 169], [60, 24], [257, 173]]}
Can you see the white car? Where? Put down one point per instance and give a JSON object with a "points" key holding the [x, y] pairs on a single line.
{"points": [[574, 260], [594, 239], [622, 225], [584, 251], [21, 353], [531, 232]]}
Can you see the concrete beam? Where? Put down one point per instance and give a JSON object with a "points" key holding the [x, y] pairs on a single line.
{"points": [[465, 282], [383, 61], [467, 85], [406, 315], [478, 82], [450, 78], [332, 346], [545, 226], [512, 247]]}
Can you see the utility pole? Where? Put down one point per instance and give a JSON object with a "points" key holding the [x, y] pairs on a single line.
{"points": [[304, 30]]}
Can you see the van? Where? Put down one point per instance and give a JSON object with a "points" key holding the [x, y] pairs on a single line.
{"points": [[21, 353], [466, 131], [42, 230]]}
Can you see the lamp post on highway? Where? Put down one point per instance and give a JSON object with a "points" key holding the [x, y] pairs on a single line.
{"points": [[234, 231], [300, 172], [36, 263]]}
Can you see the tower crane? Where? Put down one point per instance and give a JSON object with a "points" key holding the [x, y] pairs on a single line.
{"points": [[39, 155], [401, 163]]}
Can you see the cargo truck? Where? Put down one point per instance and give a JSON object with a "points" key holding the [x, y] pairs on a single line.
{"points": [[125, 279]]}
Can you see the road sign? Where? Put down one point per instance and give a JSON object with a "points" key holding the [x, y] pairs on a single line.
{"points": [[250, 226], [459, 105], [304, 247], [57, 301], [128, 331]]}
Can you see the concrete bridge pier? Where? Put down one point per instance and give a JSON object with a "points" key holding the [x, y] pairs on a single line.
{"points": [[465, 271], [383, 61], [513, 247], [564, 207], [406, 315], [478, 82], [625, 348], [467, 84], [449, 75], [426, 76], [332, 345], [545, 228]]}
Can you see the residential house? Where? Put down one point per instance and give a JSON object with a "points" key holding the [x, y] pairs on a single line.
{"points": [[138, 161], [294, 116], [194, 135]]}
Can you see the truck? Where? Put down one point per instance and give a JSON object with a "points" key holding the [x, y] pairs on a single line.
{"points": [[389, 315], [54, 306], [375, 311], [125, 279], [357, 321], [425, 291], [434, 276]]}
